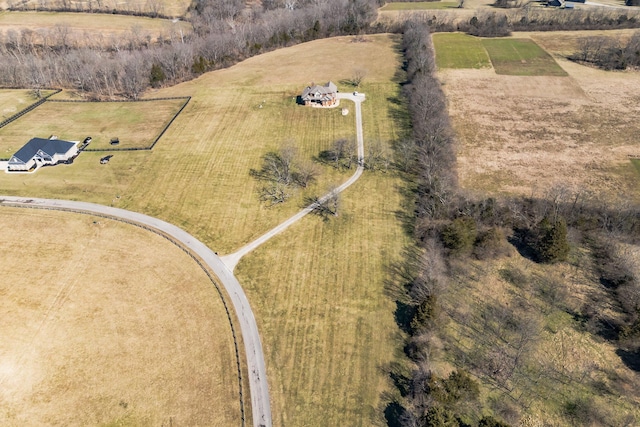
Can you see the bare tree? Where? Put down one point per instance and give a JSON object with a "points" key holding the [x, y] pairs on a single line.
{"points": [[327, 205], [357, 76], [274, 193], [305, 173]]}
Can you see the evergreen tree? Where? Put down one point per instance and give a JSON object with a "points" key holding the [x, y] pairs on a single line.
{"points": [[157, 75], [551, 243]]}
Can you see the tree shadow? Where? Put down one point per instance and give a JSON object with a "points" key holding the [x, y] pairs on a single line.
{"points": [[630, 358], [393, 414], [403, 315], [520, 240]]}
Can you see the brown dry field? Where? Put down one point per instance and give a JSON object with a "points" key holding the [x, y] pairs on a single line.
{"points": [[90, 28], [521, 135], [172, 8], [99, 330]]}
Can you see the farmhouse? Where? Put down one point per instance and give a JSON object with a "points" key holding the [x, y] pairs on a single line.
{"points": [[320, 95], [39, 152]]}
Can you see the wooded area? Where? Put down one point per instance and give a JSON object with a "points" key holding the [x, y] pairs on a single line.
{"points": [[451, 227]]}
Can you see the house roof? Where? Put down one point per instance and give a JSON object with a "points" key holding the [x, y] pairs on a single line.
{"points": [[319, 92], [48, 146]]}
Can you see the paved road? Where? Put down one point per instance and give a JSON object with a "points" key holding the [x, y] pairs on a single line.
{"points": [[231, 260], [259, 389]]}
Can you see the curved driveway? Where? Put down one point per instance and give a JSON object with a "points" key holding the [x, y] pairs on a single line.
{"points": [[260, 406], [231, 260]]}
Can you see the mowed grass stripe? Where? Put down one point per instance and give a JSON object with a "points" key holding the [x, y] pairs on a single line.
{"points": [[460, 51], [521, 57], [327, 325]]}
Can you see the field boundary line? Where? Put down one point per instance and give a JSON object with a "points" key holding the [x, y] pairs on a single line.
{"points": [[164, 129], [27, 109], [175, 242]]}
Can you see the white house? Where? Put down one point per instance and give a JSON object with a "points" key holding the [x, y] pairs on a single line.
{"points": [[39, 152]]}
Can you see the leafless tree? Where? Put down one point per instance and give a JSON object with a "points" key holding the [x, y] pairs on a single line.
{"points": [[306, 172], [274, 193], [378, 156], [327, 205], [357, 76]]}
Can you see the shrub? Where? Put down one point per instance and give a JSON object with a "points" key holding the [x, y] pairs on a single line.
{"points": [[490, 244], [489, 421], [459, 236], [425, 314], [550, 241]]}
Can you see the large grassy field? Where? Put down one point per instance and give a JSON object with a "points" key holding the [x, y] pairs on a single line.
{"points": [[13, 101], [319, 286], [521, 57], [459, 50], [107, 324], [421, 5], [96, 28], [172, 8], [521, 134], [136, 124]]}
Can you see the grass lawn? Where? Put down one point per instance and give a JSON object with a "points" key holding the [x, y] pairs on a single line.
{"points": [[136, 124], [108, 324], [14, 100], [521, 57], [96, 26], [460, 51], [321, 287], [328, 329], [421, 5]]}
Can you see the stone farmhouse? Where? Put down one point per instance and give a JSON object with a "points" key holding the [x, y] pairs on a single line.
{"points": [[40, 152], [316, 95]]}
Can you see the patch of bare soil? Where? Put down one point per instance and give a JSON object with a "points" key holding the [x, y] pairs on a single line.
{"points": [[524, 134]]}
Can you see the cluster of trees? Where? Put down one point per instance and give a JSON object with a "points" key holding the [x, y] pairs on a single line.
{"points": [[224, 32], [609, 53], [487, 23], [282, 171]]}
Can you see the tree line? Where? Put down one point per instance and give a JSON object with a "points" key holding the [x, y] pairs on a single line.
{"points": [[609, 53], [227, 31], [449, 226], [224, 32]]}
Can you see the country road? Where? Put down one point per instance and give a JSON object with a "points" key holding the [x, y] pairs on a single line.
{"points": [[259, 389], [231, 260]]}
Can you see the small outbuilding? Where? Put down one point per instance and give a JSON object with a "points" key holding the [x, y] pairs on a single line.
{"points": [[325, 96], [41, 152]]}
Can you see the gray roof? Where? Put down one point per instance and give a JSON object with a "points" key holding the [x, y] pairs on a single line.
{"points": [[320, 92], [48, 146]]}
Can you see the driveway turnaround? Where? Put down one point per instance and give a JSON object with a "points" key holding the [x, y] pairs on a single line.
{"points": [[231, 260], [260, 405]]}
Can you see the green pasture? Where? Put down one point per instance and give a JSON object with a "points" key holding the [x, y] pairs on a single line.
{"points": [[521, 57], [421, 5], [136, 124], [459, 50]]}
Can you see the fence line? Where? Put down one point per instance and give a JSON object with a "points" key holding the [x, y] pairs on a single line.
{"points": [[26, 110]]}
